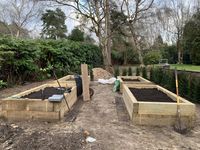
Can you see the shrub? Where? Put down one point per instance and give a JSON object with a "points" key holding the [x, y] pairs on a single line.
{"points": [[183, 84], [130, 73], [152, 57], [168, 80], [124, 72], [196, 97], [151, 74], [132, 57], [117, 57], [170, 53], [158, 74], [26, 60], [192, 84], [137, 71], [194, 89], [116, 71], [91, 75], [2, 84], [189, 85], [144, 72]]}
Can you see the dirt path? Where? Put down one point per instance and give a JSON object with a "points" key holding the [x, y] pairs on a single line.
{"points": [[106, 119]]}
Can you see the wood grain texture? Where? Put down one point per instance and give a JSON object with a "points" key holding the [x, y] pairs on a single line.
{"points": [[85, 82]]}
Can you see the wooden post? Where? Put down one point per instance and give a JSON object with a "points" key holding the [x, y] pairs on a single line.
{"points": [[85, 82]]}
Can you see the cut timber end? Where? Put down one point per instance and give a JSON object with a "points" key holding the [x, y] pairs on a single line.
{"points": [[85, 82]]}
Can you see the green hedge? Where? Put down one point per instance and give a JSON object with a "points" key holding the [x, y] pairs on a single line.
{"points": [[124, 72], [116, 71], [25, 60], [189, 86]]}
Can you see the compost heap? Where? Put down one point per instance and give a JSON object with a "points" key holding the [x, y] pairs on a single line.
{"points": [[100, 73]]}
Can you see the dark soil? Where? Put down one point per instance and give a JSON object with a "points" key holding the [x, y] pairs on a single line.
{"points": [[45, 93], [150, 95], [135, 80]]}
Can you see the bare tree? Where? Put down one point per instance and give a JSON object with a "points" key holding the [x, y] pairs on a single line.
{"points": [[97, 12], [175, 14], [137, 11], [20, 13]]}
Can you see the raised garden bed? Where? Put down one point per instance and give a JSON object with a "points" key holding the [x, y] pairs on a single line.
{"points": [[150, 95], [34, 103], [46, 93], [69, 80], [131, 80], [154, 105]]}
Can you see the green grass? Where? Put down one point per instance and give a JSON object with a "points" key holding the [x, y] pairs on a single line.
{"points": [[185, 67]]}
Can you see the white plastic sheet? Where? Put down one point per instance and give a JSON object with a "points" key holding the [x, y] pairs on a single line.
{"points": [[90, 139], [107, 81]]}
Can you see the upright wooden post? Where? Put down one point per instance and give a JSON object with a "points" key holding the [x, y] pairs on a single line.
{"points": [[85, 82]]}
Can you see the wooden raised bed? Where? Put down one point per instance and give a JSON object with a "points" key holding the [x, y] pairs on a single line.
{"points": [[17, 107], [158, 111], [132, 80], [69, 80]]}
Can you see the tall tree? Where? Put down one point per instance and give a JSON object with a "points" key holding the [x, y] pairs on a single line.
{"points": [[19, 13], [54, 24], [120, 39], [176, 14], [191, 36], [12, 29], [76, 35], [137, 12], [97, 13]]}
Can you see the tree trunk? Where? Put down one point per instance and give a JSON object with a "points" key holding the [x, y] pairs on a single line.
{"points": [[125, 57], [106, 57], [135, 45], [107, 49], [179, 49], [18, 33]]}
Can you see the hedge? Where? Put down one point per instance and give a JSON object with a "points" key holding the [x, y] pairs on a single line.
{"points": [[189, 85], [27, 60]]}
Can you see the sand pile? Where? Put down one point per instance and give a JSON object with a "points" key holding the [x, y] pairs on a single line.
{"points": [[100, 73]]}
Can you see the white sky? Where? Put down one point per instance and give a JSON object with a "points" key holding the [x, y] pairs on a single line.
{"points": [[70, 22]]}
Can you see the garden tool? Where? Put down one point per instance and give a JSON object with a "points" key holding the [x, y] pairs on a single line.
{"points": [[179, 126], [55, 76]]}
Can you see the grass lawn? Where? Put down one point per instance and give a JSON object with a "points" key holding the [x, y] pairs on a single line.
{"points": [[185, 67]]}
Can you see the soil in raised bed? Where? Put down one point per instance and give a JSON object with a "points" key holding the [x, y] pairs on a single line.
{"points": [[150, 95], [45, 93], [135, 80]]}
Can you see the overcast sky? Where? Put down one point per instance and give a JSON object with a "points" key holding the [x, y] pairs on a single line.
{"points": [[71, 20]]}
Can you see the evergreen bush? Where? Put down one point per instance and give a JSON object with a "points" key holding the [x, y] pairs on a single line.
{"points": [[196, 89], [151, 74], [144, 72], [137, 71], [189, 85], [116, 71], [124, 72], [130, 73], [28, 60], [183, 85]]}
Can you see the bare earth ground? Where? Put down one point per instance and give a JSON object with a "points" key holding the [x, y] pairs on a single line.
{"points": [[105, 118]]}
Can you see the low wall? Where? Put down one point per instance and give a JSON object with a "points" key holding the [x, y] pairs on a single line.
{"points": [[157, 113], [17, 108]]}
